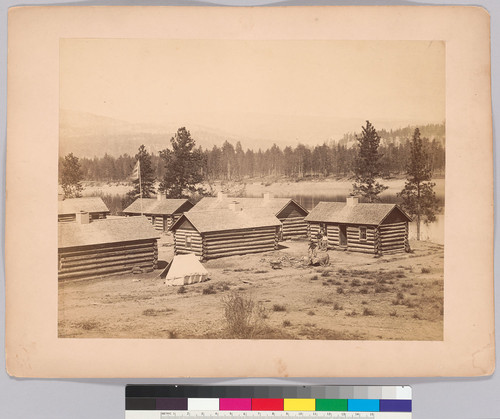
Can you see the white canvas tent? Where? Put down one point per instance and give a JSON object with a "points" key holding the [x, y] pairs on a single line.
{"points": [[183, 270]]}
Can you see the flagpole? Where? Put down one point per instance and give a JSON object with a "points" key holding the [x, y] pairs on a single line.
{"points": [[140, 183]]}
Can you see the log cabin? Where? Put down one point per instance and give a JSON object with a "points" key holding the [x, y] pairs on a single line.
{"points": [[290, 213], [360, 227], [105, 247], [94, 206], [160, 211], [225, 232]]}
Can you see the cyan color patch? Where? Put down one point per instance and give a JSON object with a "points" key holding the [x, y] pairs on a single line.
{"points": [[363, 405]]}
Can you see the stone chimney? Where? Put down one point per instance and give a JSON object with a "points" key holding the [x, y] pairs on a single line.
{"points": [[82, 217], [235, 206], [160, 197], [220, 196], [352, 200], [268, 196]]}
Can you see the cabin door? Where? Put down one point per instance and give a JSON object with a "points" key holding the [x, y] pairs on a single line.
{"points": [[342, 235]]}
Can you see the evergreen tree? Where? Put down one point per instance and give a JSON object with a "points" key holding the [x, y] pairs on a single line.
{"points": [[71, 176], [367, 165], [419, 198], [183, 165], [147, 178]]}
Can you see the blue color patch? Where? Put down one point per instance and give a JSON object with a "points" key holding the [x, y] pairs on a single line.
{"points": [[363, 405], [395, 405]]}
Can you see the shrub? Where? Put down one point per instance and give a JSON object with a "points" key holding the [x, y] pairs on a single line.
{"points": [[400, 296], [209, 290], [244, 318], [325, 273], [393, 313], [417, 316], [363, 291], [279, 307], [287, 323], [355, 283], [425, 270], [340, 290], [368, 312], [314, 278], [381, 288], [181, 290], [352, 313], [311, 313], [337, 306], [172, 334]]}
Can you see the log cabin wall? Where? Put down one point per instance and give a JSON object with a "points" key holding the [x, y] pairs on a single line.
{"points": [[393, 238], [239, 242], [292, 219], [187, 240], [85, 262], [332, 233], [361, 238], [67, 218]]}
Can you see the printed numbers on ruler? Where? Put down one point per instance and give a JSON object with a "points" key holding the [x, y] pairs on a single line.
{"points": [[269, 415]]}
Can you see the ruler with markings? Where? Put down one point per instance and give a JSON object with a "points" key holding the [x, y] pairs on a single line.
{"points": [[305, 402]]}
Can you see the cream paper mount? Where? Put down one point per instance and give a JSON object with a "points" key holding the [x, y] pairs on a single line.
{"points": [[62, 58]]}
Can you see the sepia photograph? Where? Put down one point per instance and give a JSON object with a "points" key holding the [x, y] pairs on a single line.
{"points": [[231, 189]]}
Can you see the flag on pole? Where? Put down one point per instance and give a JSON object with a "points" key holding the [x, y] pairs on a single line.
{"points": [[136, 173]]}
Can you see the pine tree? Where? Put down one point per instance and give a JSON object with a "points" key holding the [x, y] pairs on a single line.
{"points": [[419, 198], [147, 177], [71, 176], [367, 165], [183, 164]]}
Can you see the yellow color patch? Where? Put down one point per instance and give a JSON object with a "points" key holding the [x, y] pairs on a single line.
{"points": [[299, 404]]}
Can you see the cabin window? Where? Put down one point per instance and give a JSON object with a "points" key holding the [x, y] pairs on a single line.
{"points": [[188, 241], [362, 234]]}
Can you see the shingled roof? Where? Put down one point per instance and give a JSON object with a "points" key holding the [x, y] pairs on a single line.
{"points": [[74, 205], [156, 206], [340, 212], [274, 205], [112, 230], [226, 219]]}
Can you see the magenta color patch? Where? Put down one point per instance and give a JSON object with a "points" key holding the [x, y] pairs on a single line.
{"points": [[235, 404]]}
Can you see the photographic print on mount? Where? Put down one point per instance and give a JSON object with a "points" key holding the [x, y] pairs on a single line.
{"points": [[251, 189]]}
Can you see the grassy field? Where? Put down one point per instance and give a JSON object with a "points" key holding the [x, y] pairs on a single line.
{"points": [[358, 296]]}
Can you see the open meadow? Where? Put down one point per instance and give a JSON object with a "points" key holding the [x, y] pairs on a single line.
{"points": [[355, 297]]}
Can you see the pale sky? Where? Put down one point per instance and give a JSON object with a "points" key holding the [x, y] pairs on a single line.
{"points": [[271, 89]]}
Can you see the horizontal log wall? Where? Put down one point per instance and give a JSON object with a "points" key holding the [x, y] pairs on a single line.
{"points": [[181, 245], [66, 218], [393, 238], [294, 227], [240, 242], [159, 223], [332, 232], [91, 261]]}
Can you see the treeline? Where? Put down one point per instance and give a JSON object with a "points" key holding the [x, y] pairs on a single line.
{"points": [[231, 162]]}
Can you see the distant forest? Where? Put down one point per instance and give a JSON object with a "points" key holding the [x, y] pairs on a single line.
{"points": [[231, 162]]}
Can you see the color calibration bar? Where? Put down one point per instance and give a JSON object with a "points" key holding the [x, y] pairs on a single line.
{"points": [[161, 402]]}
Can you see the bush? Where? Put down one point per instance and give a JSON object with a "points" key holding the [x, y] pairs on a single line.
{"points": [[314, 278], [340, 290], [337, 306], [287, 323], [181, 290], [425, 270], [279, 307], [393, 313], [368, 312], [311, 313], [209, 290], [244, 318], [355, 283]]}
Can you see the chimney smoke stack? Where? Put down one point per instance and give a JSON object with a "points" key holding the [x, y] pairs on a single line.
{"points": [[352, 200]]}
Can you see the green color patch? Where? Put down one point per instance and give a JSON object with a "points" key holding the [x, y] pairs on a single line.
{"points": [[336, 405]]}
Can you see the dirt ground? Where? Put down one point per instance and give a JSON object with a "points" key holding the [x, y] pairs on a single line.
{"points": [[357, 296]]}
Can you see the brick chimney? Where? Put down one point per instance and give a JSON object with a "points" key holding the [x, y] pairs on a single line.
{"points": [[352, 200], [82, 217], [235, 206], [160, 197], [268, 196]]}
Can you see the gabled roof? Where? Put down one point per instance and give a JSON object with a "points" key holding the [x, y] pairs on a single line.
{"points": [[340, 212], [74, 205], [112, 230], [226, 219], [155, 206], [274, 205]]}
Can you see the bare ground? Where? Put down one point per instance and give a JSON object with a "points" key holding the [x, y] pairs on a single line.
{"points": [[358, 296]]}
